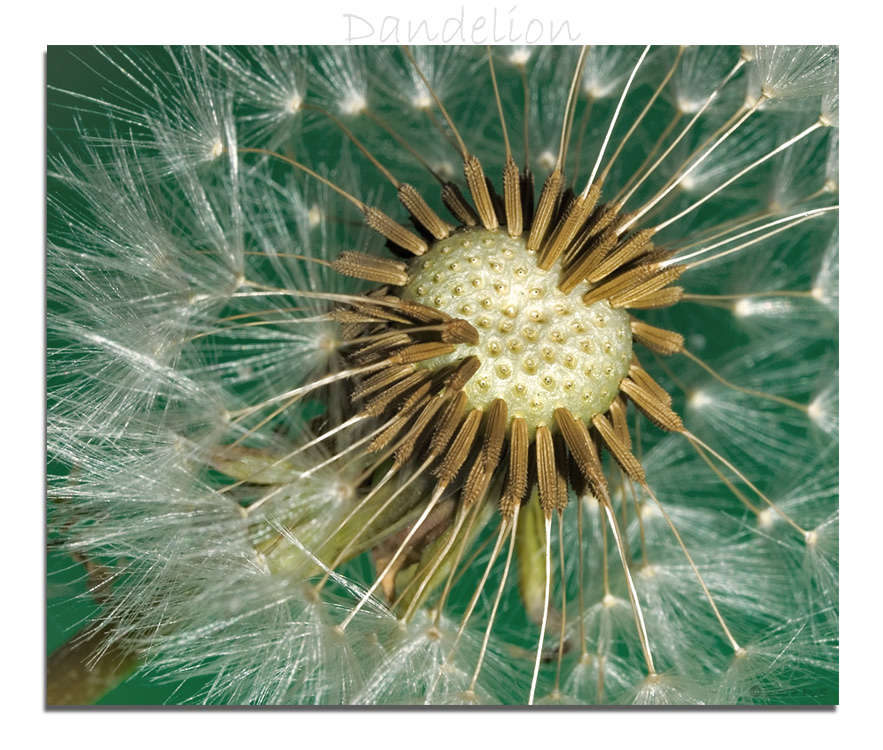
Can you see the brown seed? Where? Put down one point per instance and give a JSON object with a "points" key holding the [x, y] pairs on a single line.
{"points": [[486, 463], [641, 290], [562, 467], [512, 195], [465, 370], [457, 205], [394, 232], [546, 209], [621, 454], [620, 283], [377, 405], [586, 255], [422, 213], [633, 247], [619, 419], [447, 423], [371, 268], [396, 425], [494, 435], [421, 313], [459, 331], [478, 187], [421, 351], [381, 348], [386, 377], [459, 450], [515, 489], [656, 339], [568, 226], [379, 311], [666, 297], [417, 431], [582, 448], [642, 378], [651, 407], [547, 476]]}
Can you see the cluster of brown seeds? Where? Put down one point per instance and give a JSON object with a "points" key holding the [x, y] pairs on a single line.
{"points": [[468, 408], [426, 407]]}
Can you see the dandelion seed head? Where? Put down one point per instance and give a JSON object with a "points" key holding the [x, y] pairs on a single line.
{"points": [[343, 472]]}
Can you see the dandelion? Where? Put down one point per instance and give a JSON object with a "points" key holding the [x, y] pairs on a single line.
{"points": [[450, 375]]}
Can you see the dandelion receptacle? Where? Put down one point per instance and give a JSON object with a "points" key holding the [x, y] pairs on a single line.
{"points": [[448, 375]]}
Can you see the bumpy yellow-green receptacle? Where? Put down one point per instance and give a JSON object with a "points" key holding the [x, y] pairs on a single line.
{"points": [[540, 349]]}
